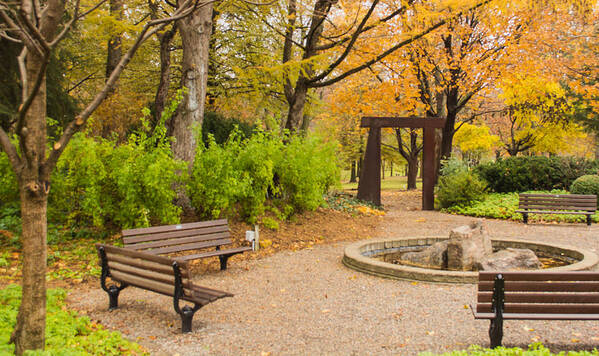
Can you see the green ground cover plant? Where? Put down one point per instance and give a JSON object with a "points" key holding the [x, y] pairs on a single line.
{"points": [[504, 206], [535, 349], [67, 333]]}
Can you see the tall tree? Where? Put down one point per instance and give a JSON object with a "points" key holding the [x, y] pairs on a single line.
{"points": [[39, 28], [195, 31]]}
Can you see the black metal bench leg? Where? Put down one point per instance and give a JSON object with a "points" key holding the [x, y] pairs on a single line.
{"points": [[223, 261], [186, 319], [113, 294], [525, 218], [589, 220], [496, 332]]}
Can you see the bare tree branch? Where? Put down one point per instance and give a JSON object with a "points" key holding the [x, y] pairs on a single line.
{"points": [[10, 150]]}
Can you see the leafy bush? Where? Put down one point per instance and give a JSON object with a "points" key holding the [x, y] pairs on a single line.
{"points": [[458, 185], [587, 184], [238, 172], [306, 169], [130, 185], [221, 128], [67, 333], [239, 175], [518, 174], [536, 349]]}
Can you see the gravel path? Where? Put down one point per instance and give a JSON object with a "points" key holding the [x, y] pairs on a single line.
{"points": [[307, 302]]}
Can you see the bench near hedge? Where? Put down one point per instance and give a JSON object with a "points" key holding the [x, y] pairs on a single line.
{"points": [[577, 204], [195, 237], [535, 295], [154, 273]]}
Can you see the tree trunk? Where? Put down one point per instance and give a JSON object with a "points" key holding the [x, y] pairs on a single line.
{"points": [[165, 72], [382, 169], [352, 176], [115, 50], [195, 33], [29, 332], [412, 173], [296, 107]]}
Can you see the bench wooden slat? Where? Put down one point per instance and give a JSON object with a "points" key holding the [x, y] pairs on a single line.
{"points": [[149, 265], [511, 286], [185, 247], [180, 241], [213, 253], [555, 212], [522, 316], [560, 195], [144, 273], [540, 276], [207, 233], [208, 294], [166, 228], [135, 254], [486, 297], [541, 308]]}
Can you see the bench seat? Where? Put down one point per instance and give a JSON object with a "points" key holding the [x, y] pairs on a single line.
{"points": [[185, 242], [575, 204], [157, 274], [537, 295]]}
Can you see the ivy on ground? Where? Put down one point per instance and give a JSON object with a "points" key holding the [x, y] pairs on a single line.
{"points": [[67, 333]]}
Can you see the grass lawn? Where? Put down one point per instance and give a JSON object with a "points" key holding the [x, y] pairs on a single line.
{"points": [[389, 183]]}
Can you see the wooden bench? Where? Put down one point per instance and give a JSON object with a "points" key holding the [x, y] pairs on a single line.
{"points": [[535, 296], [155, 273], [164, 240], [578, 204]]}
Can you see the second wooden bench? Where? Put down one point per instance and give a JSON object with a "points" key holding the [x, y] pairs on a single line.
{"points": [[535, 295], [194, 237], [578, 204]]}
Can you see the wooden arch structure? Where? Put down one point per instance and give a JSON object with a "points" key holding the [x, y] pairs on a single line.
{"points": [[369, 187]]}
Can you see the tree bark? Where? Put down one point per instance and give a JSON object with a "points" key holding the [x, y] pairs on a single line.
{"points": [[115, 50], [353, 176], [165, 72], [195, 33], [29, 332]]}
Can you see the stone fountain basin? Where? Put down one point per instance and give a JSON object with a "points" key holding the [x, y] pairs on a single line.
{"points": [[360, 256]]}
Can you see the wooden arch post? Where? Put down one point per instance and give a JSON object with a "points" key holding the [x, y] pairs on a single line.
{"points": [[369, 187]]}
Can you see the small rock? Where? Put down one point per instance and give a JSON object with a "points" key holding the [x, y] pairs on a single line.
{"points": [[512, 259]]}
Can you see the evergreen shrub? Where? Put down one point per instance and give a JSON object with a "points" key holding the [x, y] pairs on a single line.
{"points": [[587, 184], [459, 185], [519, 174]]}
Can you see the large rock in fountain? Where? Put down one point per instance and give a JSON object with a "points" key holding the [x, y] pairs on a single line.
{"points": [[468, 246], [511, 259], [434, 256]]}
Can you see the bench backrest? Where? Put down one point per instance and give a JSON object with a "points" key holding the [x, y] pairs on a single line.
{"points": [[175, 238], [558, 201], [144, 270], [542, 292]]}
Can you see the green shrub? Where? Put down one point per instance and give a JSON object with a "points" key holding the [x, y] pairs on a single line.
{"points": [[518, 174], [458, 186], [221, 128], [535, 349], [130, 185], [306, 169], [236, 175], [239, 175], [587, 184], [67, 333]]}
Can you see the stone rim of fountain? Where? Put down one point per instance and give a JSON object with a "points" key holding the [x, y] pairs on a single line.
{"points": [[355, 257]]}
